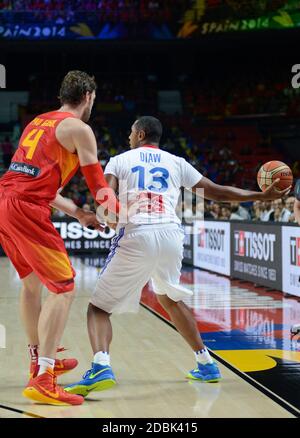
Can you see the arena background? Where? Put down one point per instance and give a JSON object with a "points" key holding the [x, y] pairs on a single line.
{"points": [[221, 76]]}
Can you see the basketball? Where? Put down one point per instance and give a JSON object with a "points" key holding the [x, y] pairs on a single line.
{"points": [[273, 170]]}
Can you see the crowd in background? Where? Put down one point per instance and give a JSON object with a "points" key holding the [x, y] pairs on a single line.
{"points": [[218, 164], [203, 97], [229, 154], [241, 95], [280, 210], [64, 11]]}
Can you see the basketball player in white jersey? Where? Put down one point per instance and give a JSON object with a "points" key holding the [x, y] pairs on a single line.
{"points": [[149, 245]]}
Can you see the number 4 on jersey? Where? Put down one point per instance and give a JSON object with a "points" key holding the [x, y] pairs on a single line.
{"points": [[31, 141]]}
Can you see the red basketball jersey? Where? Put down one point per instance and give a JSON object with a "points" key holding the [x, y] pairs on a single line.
{"points": [[41, 165]]}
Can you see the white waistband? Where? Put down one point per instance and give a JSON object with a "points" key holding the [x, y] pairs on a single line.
{"points": [[130, 228]]}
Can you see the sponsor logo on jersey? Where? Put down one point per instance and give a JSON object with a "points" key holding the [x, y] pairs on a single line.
{"points": [[27, 169]]}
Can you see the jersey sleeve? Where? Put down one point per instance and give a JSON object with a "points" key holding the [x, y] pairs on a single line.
{"points": [[189, 175], [112, 167]]}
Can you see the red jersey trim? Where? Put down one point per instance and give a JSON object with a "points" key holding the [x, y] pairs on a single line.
{"points": [[149, 146]]}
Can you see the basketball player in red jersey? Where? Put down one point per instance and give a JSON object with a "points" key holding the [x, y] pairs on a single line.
{"points": [[51, 149]]}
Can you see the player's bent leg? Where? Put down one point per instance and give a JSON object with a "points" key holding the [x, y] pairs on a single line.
{"points": [[100, 377], [53, 318], [99, 328], [43, 388], [186, 325], [183, 320], [118, 290]]}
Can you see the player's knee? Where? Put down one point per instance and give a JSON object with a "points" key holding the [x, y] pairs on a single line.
{"points": [[67, 295], [92, 309], [31, 285], [29, 291], [70, 294]]}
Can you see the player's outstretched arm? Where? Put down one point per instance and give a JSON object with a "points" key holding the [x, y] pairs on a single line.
{"points": [[85, 217], [216, 192]]}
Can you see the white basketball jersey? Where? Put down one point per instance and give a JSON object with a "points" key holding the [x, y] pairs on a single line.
{"points": [[150, 180]]}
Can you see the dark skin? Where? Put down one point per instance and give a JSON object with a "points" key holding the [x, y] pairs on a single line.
{"points": [[99, 324]]}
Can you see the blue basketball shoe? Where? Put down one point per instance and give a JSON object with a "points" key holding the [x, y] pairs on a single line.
{"points": [[207, 373], [98, 378]]}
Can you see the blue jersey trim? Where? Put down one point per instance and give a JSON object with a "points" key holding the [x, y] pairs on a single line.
{"points": [[113, 249]]}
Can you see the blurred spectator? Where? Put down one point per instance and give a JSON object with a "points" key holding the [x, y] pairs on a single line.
{"points": [[267, 212], [257, 210], [225, 212], [281, 214], [238, 212], [215, 210], [289, 204]]}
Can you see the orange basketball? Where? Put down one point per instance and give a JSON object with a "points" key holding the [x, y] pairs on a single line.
{"points": [[273, 170]]}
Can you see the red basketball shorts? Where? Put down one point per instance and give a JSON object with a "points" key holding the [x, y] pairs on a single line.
{"points": [[30, 240]]}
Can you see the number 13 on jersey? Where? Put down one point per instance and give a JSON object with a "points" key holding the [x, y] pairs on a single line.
{"points": [[160, 175]]}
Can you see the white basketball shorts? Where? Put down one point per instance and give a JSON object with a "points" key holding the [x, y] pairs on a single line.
{"points": [[138, 254]]}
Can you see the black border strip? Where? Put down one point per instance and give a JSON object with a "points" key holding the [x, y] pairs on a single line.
{"points": [[29, 414], [284, 404]]}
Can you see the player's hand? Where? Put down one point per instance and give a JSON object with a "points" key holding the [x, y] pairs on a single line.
{"points": [[88, 219], [112, 225], [272, 192]]}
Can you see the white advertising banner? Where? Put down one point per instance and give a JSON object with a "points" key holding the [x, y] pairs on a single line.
{"points": [[212, 246], [291, 260]]}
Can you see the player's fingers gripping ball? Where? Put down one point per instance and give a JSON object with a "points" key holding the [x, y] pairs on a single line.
{"points": [[272, 171]]}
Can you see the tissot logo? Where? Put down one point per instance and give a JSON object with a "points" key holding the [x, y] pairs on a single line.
{"points": [[74, 230], [295, 251], [254, 245], [2, 76], [212, 239]]}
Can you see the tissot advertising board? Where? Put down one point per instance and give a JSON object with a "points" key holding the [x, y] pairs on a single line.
{"points": [[256, 254], [212, 246], [291, 260], [79, 239]]}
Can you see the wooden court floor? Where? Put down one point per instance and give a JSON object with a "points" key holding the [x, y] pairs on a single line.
{"points": [[149, 358]]}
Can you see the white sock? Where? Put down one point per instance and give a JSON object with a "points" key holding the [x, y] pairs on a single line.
{"points": [[44, 363], [203, 356], [102, 358]]}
